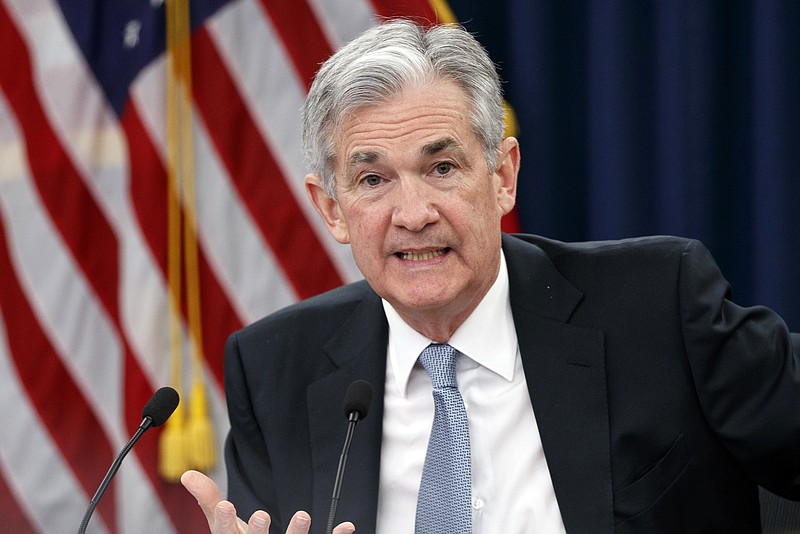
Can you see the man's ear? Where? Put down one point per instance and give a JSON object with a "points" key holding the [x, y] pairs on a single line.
{"points": [[328, 208], [506, 171]]}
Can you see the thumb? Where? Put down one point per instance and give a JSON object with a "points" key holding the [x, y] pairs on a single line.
{"points": [[204, 490]]}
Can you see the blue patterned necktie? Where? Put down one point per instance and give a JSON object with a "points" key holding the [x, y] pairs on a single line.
{"points": [[444, 503]]}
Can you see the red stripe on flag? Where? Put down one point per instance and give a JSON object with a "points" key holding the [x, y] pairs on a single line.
{"points": [[50, 386], [256, 175], [218, 318], [302, 36], [510, 222], [418, 10], [12, 516], [148, 185]]}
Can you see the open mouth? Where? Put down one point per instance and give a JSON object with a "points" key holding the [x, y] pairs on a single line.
{"points": [[422, 256]]}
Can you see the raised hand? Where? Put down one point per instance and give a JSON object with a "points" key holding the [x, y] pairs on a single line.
{"points": [[221, 514]]}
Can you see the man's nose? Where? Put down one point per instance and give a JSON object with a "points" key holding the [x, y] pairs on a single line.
{"points": [[414, 206]]}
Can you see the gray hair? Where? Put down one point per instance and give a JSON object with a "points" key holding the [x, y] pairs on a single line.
{"points": [[383, 61]]}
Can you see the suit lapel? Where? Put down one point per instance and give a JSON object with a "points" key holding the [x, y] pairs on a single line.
{"points": [[565, 371], [358, 351]]}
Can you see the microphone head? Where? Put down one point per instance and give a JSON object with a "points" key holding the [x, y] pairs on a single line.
{"points": [[161, 405], [357, 399]]}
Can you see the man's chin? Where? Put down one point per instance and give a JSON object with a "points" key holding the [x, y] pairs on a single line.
{"points": [[421, 297]]}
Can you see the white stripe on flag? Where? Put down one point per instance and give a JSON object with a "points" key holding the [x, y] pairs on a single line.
{"points": [[274, 96], [343, 20]]}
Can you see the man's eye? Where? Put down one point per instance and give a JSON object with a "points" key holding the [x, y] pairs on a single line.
{"points": [[372, 180], [443, 168]]}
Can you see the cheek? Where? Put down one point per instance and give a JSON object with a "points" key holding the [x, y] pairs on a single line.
{"points": [[367, 234], [364, 229], [481, 212], [482, 229], [367, 219]]}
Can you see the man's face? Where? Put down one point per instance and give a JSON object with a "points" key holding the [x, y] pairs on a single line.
{"points": [[418, 205]]}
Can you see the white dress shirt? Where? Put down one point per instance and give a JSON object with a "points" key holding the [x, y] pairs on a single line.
{"points": [[512, 492]]}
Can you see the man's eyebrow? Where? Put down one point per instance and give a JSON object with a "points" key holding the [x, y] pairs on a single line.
{"points": [[358, 158], [440, 145]]}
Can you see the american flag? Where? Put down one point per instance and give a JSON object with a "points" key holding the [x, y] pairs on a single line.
{"points": [[83, 230]]}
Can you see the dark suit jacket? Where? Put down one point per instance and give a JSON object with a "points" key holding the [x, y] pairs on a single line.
{"points": [[661, 404]]}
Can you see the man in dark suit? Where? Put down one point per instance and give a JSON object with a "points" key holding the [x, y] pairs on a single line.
{"points": [[609, 387]]}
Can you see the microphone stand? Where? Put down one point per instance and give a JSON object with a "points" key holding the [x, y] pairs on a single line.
{"points": [[111, 472], [352, 419]]}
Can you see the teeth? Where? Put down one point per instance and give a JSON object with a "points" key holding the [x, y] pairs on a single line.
{"points": [[420, 256]]}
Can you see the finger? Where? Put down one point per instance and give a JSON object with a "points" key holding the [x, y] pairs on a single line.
{"points": [[259, 523], [344, 528], [204, 490], [299, 524], [225, 520]]}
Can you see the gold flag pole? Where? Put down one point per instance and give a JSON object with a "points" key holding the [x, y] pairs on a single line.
{"points": [[185, 443]]}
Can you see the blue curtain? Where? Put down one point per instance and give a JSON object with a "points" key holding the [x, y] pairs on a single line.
{"points": [[674, 117]]}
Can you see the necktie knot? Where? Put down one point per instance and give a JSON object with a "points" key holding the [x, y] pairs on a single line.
{"points": [[439, 360]]}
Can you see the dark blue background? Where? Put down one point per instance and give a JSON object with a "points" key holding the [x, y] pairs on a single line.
{"points": [[673, 117]]}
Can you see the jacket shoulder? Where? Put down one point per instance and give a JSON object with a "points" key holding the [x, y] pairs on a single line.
{"points": [[320, 314], [656, 245]]}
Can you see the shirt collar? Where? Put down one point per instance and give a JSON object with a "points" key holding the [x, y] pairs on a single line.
{"points": [[487, 336]]}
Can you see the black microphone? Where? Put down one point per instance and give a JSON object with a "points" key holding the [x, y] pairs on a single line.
{"points": [[155, 413], [356, 405]]}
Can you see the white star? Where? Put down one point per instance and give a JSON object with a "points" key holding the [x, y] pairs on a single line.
{"points": [[131, 34]]}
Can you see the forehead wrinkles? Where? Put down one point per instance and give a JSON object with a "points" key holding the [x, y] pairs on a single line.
{"points": [[370, 135]]}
